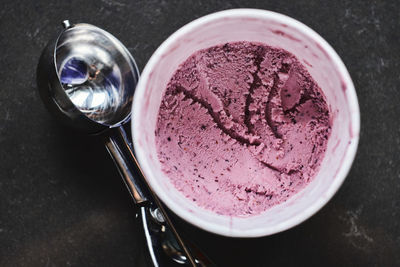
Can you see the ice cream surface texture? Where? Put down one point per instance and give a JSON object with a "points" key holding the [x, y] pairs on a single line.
{"points": [[241, 127]]}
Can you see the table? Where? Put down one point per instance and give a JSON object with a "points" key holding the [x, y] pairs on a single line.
{"points": [[62, 202]]}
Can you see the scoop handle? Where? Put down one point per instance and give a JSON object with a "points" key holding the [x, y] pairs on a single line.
{"points": [[121, 151], [128, 171]]}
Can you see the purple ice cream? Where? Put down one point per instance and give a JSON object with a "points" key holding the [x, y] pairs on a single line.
{"points": [[241, 127]]}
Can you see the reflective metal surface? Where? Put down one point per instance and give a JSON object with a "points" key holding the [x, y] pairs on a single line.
{"points": [[166, 251], [97, 73], [130, 172], [87, 78]]}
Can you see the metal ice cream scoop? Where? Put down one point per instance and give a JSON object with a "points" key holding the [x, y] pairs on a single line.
{"points": [[87, 78]]}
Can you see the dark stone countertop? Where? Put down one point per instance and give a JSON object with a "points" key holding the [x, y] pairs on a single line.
{"points": [[63, 204]]}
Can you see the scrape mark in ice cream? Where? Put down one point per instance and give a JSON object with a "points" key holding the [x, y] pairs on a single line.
{"points": [[323, 51], [241, 127], [343, 84], [307, 63], [289, 36], [336, 146]]}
